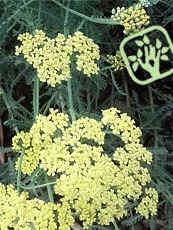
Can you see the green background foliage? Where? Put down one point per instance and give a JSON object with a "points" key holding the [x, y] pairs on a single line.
{"points": [[150, 106]]}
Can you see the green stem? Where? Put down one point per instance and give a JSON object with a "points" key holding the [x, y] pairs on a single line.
{"points": [[62, 103], [88, 97], [49, 190], [115, 225], [80, 25], [115, 84], [38, 186], [151, 100], [36, 97], [66, 28], [112, 95], [69, 87], [39, 11], [33, 177], [20, 8], [105, 21], [49, 103], [126, 87], [19, 172], [70, 99], [105, 68]]}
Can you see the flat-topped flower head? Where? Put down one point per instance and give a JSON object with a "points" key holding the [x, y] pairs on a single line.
{"points": [[134, 18], [44, 137], [90, 182], [52, 57], [46, 55], [87, 53], [19, 212]]}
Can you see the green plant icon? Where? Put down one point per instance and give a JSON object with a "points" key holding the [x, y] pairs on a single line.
{"points": [[148, 56], [152, 55]]}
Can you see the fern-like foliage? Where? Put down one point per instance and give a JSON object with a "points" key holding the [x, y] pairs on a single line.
{"points": [[8, 173], [90, 95]]}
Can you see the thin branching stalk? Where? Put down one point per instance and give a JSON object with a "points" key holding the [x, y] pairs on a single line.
{"points": [[105, 21], [36, 96], [19, 171], [49, 103], [114, 83], [151, 100], [88, 97], [69, 86], [36, 112], [126, 87], [39, 11], [62, 103], [11, 18], [115, 225], [112, 96], [49, 189], [70, 98], [37, 186]]}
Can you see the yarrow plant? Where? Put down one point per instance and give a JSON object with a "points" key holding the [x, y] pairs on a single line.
{"points": [[134, 18], [52, 57], [64, 156], [90, 182], [116, 61], [19, 212]]}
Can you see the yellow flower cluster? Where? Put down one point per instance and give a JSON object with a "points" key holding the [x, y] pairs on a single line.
{"points": [[90, 183], [84, 128], [87, 186], [148, 204], [42, 142], [46, 55], [116, 61], [51, 57], [134, 18], [87, 51], [18, 212], [121, 125]]}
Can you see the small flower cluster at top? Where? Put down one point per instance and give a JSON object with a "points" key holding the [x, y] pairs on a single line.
{"points": [[134, 18], [144, 3], [147, 3], [52, 57], [116, 61], [90, 183], [18, 212]]}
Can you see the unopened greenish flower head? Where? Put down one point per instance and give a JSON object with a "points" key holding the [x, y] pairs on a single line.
{"points": [[144, 3], [134, 18]]}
